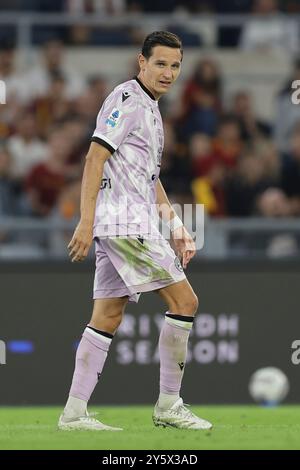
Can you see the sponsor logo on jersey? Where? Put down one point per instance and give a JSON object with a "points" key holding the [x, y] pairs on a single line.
{"points": [[113, 118], [105, 183]]}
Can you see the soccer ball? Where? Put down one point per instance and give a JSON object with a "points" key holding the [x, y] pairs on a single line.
{"points": [[268, 386]]}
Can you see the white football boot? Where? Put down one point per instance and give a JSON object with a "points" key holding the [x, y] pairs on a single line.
{"points": [[179, 416], [85, 423]]}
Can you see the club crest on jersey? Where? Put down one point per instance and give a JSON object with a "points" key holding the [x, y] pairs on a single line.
{"points": [[114, 117], [178, 264]]}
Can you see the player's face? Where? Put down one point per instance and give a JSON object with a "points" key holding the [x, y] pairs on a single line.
{"points": [[161, 70]]}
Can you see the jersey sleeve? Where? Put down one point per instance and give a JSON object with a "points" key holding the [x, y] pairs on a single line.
{"points": [[116, 119]]}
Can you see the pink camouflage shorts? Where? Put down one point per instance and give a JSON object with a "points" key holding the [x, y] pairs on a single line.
{"points": [[130, 266]]}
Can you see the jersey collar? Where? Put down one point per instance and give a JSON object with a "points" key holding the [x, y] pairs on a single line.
{"points": [[145, 89]]}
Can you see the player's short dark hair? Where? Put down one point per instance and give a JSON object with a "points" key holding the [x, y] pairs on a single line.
{"points": [[161, 38]]}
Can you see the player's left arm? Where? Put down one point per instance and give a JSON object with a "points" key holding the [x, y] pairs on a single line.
{"points": [[183, 241]]}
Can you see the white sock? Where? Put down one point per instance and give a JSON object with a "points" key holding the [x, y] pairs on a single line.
{"points": [[75, 407], [166, 401]]}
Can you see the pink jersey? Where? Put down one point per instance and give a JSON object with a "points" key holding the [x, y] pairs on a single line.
{"points": [[129, 124]]}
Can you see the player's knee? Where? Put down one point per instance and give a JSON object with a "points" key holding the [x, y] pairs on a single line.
{"points": [[190, 305], [186, 306], [107, 320], [115, 316], [193, 304]]}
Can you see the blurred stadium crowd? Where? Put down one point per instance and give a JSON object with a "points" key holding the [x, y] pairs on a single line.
{"points": [[267, 21], [120, 6], [221, 156]]}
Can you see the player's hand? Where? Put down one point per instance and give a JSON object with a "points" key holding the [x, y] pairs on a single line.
{"points": [[184, 245], [81, 241]]}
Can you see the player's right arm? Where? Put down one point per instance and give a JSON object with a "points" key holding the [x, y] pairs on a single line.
{"points": [[116, 119], [92, 175]]}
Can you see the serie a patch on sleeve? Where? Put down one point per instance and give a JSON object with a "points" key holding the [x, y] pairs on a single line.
{"points": [[114, 117]]}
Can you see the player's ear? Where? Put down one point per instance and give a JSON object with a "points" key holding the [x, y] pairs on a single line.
{"points": [[142, 61]]}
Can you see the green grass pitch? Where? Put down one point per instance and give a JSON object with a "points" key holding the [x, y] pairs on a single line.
{"points": [[235, 427]]}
